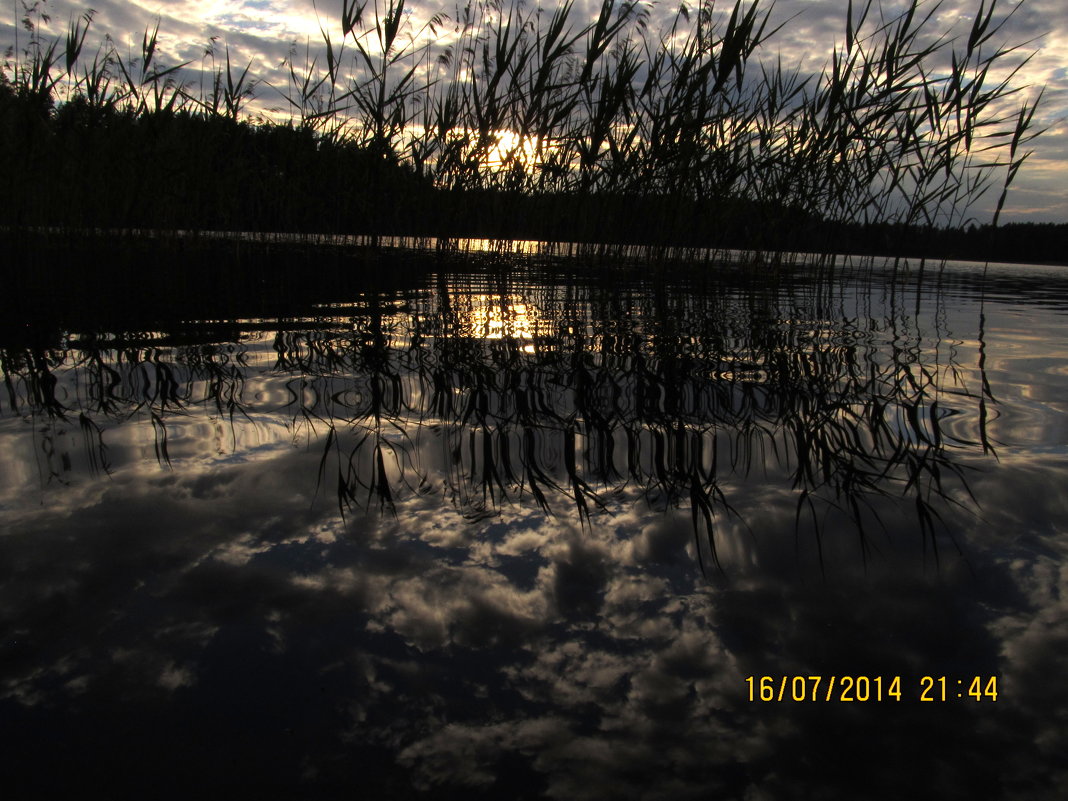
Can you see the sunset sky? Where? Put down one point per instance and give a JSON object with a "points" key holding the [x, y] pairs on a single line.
{"points": [[264, 31]]}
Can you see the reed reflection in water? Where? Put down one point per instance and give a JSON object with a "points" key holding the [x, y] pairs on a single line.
{"points": [[502, 533], [492, 390]]}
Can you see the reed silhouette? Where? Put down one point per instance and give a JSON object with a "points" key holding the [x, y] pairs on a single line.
{"points": [[518, 122]]}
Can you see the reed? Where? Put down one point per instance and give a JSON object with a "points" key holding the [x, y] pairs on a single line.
{"points": [[430, 125]]}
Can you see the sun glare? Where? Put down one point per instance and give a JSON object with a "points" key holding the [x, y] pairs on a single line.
{"points": [[512, 149]]}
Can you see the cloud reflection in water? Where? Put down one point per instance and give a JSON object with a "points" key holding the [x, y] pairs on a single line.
{"points": [[448, 636]]}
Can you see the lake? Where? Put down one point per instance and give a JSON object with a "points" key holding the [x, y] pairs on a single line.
{"points": [[484, 523]]}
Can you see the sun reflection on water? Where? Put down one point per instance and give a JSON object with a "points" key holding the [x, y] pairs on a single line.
{"points": [[504, 317]]}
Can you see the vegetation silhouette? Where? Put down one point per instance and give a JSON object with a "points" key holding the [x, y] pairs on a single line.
{"points": [[515, 122], [496, 388]]}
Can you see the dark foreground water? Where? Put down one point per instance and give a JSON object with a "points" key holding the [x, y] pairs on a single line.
{"points": [[509, 527]]}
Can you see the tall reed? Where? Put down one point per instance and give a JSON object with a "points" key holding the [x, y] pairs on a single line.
{"points": [[906, 124]]}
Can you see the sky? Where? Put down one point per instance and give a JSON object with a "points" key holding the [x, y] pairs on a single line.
{"points": [[263, 31]]}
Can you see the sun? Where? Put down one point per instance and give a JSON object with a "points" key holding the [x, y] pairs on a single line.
{"points": [[512, 149]]}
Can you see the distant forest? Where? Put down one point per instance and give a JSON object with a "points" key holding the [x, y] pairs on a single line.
{"points": [[658, 138]]}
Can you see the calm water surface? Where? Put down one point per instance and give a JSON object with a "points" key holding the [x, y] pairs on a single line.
{"points": [[515, 528]]}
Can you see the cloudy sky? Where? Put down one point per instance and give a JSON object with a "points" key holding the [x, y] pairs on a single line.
{"points": [[263, 31]]}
